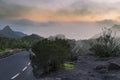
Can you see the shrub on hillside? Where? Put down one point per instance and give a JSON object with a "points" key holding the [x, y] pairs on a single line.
{"points": [[50, 55], [106, 45]]}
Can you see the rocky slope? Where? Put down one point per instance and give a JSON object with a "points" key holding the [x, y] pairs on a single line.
{"points": [[89, 68]]}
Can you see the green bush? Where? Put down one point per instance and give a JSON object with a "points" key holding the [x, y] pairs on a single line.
{"points": [[50, 55], [106, 45]]}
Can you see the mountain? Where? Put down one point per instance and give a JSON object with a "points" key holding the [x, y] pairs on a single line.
{"points": [[33, 37], [8, 32]]}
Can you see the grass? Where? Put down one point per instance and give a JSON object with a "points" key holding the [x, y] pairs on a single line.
{"points": [[2, 52], [69, 66]]}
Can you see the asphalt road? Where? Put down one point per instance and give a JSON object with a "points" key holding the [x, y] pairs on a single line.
{"points": [[16, 67]]}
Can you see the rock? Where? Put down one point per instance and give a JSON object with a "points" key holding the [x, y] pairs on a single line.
{"points": [[101, 68], [50, 79], [66, 79], [111, 77], [113, 66]]}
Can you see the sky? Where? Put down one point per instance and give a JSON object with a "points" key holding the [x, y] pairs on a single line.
{"points": [[41, 16], [60, 10]]}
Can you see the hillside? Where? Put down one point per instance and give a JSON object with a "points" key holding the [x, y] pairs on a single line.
{"points": [[32, 37]]}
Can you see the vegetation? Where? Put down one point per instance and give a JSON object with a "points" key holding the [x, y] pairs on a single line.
{"points": [[50, 55], [16, 43], [106, 45], [8, 44], [68, 66], [2, 52], [11, 43]]}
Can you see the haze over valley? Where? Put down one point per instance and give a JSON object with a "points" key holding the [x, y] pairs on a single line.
{"points": [[72, 30]]}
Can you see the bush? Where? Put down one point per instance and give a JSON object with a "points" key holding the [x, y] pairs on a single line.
{"points": [[106, 45], [50, 55]]}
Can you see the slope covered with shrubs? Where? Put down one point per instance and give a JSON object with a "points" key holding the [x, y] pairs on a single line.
{"points": [[50, 55], [106, 45]]}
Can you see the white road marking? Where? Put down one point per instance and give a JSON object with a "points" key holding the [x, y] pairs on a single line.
{"points": [[24, 68], [15, 76], [29, 63]]}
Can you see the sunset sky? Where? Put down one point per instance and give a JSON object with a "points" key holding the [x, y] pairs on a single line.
{"points": [[60, 10], [76, 19]]}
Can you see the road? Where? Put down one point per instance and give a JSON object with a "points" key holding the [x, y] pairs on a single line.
{"points": [[16, 67]]}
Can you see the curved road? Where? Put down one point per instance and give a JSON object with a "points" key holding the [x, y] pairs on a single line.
{"points": [[16, 67]]}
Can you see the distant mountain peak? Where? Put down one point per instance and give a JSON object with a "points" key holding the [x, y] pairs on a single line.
{"points": [[33, 37], [8, 32], [7, 28]]}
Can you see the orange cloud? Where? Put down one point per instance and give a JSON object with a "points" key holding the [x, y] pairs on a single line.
{"points": [[42, 15]]}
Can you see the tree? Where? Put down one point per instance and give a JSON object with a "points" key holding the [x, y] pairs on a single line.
{"points": [[49, 55]]}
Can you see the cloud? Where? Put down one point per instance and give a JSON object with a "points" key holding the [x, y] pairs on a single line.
{"points": [[8, 10], [78, 8], [51, 10], [89, 8]]}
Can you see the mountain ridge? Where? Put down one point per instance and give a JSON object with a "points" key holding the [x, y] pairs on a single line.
{"points": [[9, 33]]}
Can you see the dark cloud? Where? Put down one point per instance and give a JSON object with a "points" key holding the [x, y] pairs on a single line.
{"points": [[8, 10], [57, 8], [88, 8], [46, 1], [81, 8]]}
